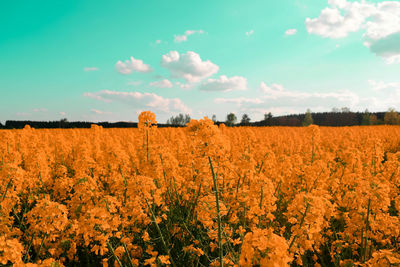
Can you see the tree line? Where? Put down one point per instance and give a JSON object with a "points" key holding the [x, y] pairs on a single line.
{"points": [[342, 117]]}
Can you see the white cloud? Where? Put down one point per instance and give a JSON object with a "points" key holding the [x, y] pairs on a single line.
{"points": [[158, 41], [291, 32], [22, 114], [225, 84], [251, 32], [379, 21], [132, 65], [272, 88], [184, 37], [162, 84], [383, 95], [42, 110], [134, 83], [62, 113], [90, 69], [380, 85], [184, 85], [278, 100], [277, 91], [188, 66], [239, 100], [99, 112], [142, 101], [332, 24]]}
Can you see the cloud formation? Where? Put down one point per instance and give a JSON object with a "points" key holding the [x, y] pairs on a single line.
{"points": [[291, 32], [239, 100], [251, 32], [141, 101], [278, 100], [224, 84], [90, 69], [277, 91], [162, 84], [184, 37], [131, 65], [42, 110], [380, 22], [188, 66], [100, 112]]}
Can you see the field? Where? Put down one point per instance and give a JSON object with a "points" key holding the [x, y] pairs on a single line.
{"points": [[200, 196]]}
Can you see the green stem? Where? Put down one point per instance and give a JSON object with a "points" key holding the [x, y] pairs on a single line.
{"points": [[364, 248], [41, 245], [115, 256], [159, 232], [147, 144], [221, 263], [127, 253], [7, 187], [301, 224]]}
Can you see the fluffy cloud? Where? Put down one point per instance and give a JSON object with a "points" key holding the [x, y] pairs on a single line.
{"points": [[132, 65], [22, 114], [162, 84], [42, 110], [278, 100], [383, 95], [90, 69], [141, 101], [185, 85], [99, 112], [225, 84], [380, 85], [251, 32], [188, 66], [277, 91], [134, 83], [387, 48], [184, 37], [239, 100], [381, 22], [291, 32]]}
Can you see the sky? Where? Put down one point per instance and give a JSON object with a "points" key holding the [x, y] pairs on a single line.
{"points": [[109, 60]]}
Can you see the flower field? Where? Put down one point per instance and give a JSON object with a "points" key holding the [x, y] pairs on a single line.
{"points": [[202, 195]]}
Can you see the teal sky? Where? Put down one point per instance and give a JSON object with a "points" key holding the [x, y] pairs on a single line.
{"points": [[59, 59]]}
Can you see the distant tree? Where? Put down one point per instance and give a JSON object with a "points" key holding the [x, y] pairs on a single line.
{"points": [[366, 118], [308, 120], [373, 120], [214, 118], [345, 110], [335, 110], [245, 119], [392, 117], [180, 119], [267, 116], [231, 119], [63, 123]]}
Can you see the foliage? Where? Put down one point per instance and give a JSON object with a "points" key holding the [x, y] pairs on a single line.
{"points": [[392, 117], [245, 119], [180, 119], [308, 120], [231, 119]]}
